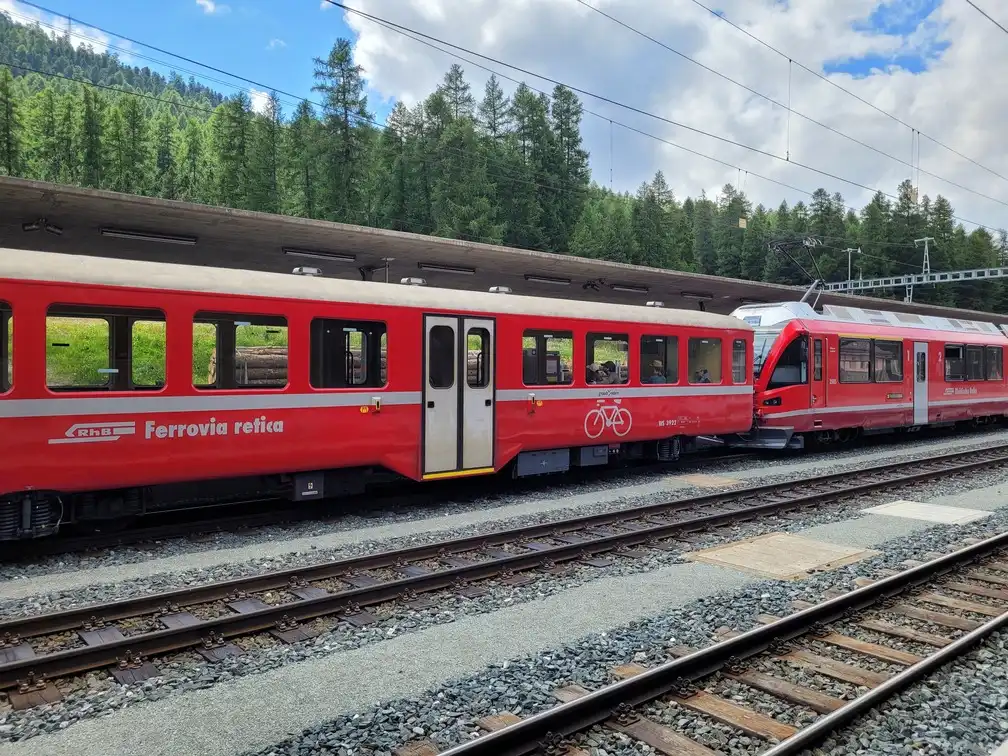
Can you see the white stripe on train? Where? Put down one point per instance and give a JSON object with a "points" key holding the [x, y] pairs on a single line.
{"points": [[220, 402]]}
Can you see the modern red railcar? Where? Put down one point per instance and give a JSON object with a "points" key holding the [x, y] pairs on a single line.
{"points": [[132, 387], [844, 372]]}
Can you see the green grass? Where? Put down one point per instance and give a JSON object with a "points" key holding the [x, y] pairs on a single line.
{"points": [[87, 345], [77, 348]]}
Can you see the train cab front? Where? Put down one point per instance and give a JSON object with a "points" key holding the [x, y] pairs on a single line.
{"points": [[780, 390]]}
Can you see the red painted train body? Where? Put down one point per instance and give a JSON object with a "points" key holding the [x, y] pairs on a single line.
{"points": [[834, 375], [345, 380]]}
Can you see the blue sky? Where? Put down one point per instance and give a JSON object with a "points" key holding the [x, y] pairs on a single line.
{"points": [[270, 41], [274, 41], [915, 37]]}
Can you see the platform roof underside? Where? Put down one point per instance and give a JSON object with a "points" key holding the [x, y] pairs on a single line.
{"points": [[255, 241]]}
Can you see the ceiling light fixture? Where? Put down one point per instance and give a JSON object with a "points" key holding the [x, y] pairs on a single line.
{"points": [[318, 254], [119, 233], [446, 268]]}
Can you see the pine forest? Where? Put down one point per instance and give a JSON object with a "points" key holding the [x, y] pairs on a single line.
{"points": [[480, 166]]}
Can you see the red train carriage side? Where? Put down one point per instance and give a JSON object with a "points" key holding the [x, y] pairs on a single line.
{"points": [[844, 372], [133, 387]]}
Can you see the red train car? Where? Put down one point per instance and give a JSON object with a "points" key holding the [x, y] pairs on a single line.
{"points": [[844, 372], [133, 387]]}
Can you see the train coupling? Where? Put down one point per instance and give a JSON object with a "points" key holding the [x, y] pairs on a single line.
{"points": [[766, 439]]}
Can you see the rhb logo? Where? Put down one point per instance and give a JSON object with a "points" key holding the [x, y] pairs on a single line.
{"points": [[82, 433]]}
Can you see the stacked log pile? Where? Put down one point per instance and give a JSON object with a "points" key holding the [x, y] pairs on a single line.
{"points": [[255, 366], [267, 366]]}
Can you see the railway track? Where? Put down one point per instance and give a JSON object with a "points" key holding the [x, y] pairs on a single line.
{"points": [[260, 513], [961, 598], [295, 605]]}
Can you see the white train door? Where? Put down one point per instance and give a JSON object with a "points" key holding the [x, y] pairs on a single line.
{"points": [[920, 394], [458, 395], [478, 394]]}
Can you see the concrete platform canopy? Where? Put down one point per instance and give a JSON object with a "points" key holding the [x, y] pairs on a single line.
{"points": [[57, 218]]}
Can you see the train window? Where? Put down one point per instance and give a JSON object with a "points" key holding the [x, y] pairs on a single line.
{"points": [[921, 367], [96, 348], [479, 360], [995, 363], [738, 361], [147, 354], [348, 354], [607, 358], [78, 352], [6, 347], [955, 363], [659, 360], [239, 351], [855, 361], [889, 361], [441, 356], [547, 358], [792, 366], [974, 363], [817, 360], [704, 362]]}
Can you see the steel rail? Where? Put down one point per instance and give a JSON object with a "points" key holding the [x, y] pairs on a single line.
{"points": [[71, 619], [287, 512], [76, 660], [527, 736], [818, 731]]}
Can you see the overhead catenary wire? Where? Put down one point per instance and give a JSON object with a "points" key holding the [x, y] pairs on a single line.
{"points": [[787, 106], [265, 87], [721, 16], [986, 15], [375, 122], [603, 98]]}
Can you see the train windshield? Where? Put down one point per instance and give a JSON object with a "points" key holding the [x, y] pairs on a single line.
{"points": [[761, 347]]}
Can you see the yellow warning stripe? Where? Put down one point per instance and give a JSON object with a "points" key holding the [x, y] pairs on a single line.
{"points": [[458, 473]]}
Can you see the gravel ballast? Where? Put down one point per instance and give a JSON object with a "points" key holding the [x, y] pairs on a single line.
{"points": [[562, 605], [70, 571], [931, 719], [80, 579]]}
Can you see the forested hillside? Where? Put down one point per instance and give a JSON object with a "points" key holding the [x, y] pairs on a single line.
{"points": [[478, 166]]}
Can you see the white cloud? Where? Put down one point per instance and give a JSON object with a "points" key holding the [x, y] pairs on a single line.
{"points": [[275, 44], [324, 5], [259, 100], [210, 7], [569, 42], [57, 26]]}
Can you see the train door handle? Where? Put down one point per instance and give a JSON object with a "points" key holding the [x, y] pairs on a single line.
{"points": [[430, 405], [488, 402]]}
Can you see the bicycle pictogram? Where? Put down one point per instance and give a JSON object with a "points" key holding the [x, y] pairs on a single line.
{"points": [[607, 416]]}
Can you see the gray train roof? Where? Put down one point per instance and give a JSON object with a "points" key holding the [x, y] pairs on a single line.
{"points": [[48, 266], [777, 315]]}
